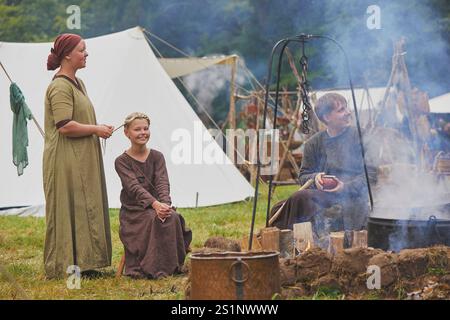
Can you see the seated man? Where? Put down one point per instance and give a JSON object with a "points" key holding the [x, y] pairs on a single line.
{"points": [[334, 151]]}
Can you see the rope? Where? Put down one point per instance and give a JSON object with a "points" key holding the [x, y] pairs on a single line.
{"points": [[189, 56], [250, 77], [198, 103], [185, 86], [166, 43]]}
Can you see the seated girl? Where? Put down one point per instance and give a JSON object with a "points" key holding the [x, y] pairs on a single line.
{"points": [[154, 235]]}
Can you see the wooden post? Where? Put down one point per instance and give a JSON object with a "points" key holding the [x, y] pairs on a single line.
{"points": [[256, 244], [286, 243], [120, 267], [303, 236], [336, 244], [270, 239], [253, 147], [359, 239], [232, 114], [288, 144], [348, 239]]}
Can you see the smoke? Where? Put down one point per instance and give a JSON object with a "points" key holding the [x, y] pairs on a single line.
{"points": [[403, 192], [406, 197], [401, 185], [208, 84], [370, 50]]}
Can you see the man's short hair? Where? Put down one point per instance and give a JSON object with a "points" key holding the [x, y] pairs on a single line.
{"points": [[327, 103]]}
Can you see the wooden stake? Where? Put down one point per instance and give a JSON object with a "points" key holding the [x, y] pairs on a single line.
{"points": [[256, 244], [120, 267], [232, 113], [336, 244], [303, 236], [270, 239], [286, 243], [359, 239]]}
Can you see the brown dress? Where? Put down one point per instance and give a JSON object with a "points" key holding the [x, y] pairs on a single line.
{"points": [[152, 248]]}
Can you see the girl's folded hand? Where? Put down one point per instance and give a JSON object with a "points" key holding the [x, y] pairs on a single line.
{"points": [[162, 210]]}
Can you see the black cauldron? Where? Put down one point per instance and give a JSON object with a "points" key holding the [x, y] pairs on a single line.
{"points": [[398, 234], [406, 228]]}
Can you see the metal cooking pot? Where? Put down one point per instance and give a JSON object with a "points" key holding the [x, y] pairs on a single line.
{"points": [[398, 234]]}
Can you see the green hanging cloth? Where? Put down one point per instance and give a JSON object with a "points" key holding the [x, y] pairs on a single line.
{"points": [[20, 131]]}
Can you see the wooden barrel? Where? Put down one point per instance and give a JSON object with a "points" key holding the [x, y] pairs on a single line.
{"points": [[234, 276]]}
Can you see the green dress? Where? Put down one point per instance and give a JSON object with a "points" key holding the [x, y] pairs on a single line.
{"points": [[78, 230]]}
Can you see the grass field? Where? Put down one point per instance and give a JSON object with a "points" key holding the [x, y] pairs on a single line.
{"points": [[22, 240]]}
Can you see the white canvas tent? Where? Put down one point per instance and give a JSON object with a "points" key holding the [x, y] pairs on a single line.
{"points": [[376, 96], [440, 104], [122, 76], [179, 67]]}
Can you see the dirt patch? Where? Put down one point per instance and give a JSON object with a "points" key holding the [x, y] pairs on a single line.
{"points": [[409, 274], [288, 275], [387, 261], [413, 263], [313, 264], [353, 261], [350, 267], [222, 244]]}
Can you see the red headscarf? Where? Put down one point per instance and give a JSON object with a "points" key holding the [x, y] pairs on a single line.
{"points": [[64, 44]]}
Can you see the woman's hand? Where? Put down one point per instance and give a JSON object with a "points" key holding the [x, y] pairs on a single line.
{"points": [[104, 131], [318, 180], [162, 210]]}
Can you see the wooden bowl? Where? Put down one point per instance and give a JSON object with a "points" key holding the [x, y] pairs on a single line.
{"points": [[329, 182]]}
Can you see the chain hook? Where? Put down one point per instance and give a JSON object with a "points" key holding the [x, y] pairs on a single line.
{"points": [[304, 87]]}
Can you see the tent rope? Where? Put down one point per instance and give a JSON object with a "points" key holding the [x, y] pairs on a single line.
{"points": [[185, 86], [166, 43], [200, 105], [189, 56]]}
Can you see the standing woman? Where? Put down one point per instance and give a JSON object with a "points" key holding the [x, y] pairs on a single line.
{"points": [[77, 217]]}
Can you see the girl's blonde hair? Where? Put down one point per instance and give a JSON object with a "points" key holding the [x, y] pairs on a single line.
{"points": [[133, 116]]}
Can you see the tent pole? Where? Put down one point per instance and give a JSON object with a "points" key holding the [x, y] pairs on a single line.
{"points": [[38, 126], [1, 64], [32, 116]]}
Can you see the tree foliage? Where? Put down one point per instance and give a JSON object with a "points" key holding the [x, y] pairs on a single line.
{"points": [[251, 27]]}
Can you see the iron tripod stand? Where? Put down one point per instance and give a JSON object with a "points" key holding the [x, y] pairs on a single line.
{"points": [[303, 39]]}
